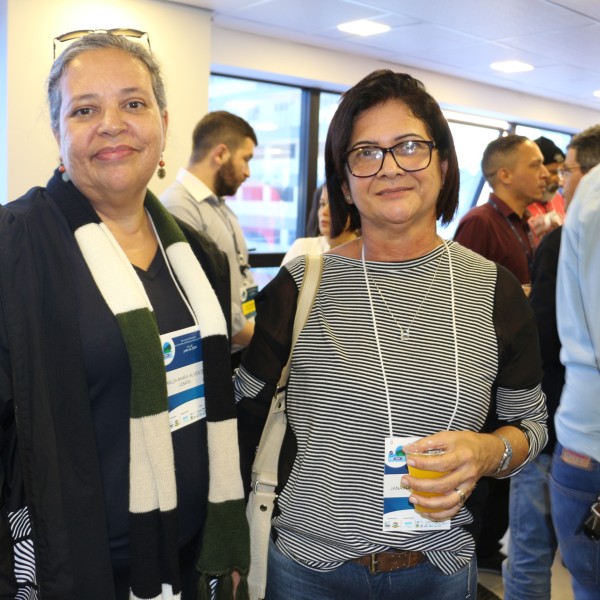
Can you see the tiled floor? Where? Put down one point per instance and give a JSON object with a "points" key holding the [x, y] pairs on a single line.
{"points": [[561, 582]]}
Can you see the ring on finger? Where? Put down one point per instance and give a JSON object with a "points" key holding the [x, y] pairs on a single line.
{"points": [[461, 496]]}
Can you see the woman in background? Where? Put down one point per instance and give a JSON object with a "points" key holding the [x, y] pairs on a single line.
{"points": [[324, 241]]}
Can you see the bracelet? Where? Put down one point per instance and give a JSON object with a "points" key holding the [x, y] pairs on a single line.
{"points": [[506, 455]]}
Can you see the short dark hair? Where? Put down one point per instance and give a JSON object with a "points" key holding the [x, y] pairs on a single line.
{"points": [[219, 127], [499, 153], [97, 41], [376, 89], [587, 148]]}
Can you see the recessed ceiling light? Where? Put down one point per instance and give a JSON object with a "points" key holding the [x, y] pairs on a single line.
{"points": [[363, 27], [511, 66], [597, 93]]}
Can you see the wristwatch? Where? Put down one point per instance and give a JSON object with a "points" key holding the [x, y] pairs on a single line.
{"points": [[506, 456]]}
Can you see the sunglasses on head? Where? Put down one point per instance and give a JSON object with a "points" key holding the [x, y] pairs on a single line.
{"points": [[73, 35]]}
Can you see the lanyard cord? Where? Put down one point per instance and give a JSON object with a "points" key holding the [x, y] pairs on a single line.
{"points": [[225, 218], [378, 344], [173, 278], [385, 383], [528, 251]]}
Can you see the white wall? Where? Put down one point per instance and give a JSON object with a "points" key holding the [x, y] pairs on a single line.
{"points": [[292, 62], [179, 35]]}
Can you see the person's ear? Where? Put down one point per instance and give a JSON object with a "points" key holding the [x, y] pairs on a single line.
{"points": [[221, 154], [347, 196], [504, 175], [444, 169], [165, 122]]}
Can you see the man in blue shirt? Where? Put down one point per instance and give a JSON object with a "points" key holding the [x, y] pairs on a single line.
{"points": [[575, 475]]}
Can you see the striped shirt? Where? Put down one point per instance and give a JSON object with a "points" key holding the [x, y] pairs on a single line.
{"points": [[330, 508]]}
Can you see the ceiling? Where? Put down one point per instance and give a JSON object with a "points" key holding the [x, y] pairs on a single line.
{"points": [[560, 38]]}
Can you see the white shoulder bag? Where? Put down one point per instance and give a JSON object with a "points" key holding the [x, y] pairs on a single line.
{"points": [[264, 469]]}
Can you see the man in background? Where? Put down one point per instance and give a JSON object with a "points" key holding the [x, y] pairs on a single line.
{"points": [[575, 473], [222, 146], [532, 541], [548, 214], [514, 168]]}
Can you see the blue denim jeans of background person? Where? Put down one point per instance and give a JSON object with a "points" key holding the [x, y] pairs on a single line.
{"points": [[527, 572], [573, 490], [289, 580]]}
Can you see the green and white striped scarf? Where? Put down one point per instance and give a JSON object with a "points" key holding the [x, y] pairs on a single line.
{"points": [[152, 488]]}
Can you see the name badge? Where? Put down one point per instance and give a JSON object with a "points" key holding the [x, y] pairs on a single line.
{"points": [[182, 351], [249, 301], [398, 513]]}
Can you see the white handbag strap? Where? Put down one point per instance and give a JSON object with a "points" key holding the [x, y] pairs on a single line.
{"points": [[306, 296]]}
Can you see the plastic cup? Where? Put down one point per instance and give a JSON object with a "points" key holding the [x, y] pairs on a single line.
{"points": [[425, 474]]}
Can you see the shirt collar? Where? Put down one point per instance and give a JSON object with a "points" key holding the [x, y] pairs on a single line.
{"points": [[504, 208], [196, 187]]}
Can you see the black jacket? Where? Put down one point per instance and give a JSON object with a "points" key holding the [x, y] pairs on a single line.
{"points": [[49, 462]]}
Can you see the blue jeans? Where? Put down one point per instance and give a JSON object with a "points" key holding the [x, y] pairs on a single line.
{"points": [[532, 542], [573, 490], [289, 580]]}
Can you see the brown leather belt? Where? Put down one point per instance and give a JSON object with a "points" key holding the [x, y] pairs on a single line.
{"points": [[383, 562]]}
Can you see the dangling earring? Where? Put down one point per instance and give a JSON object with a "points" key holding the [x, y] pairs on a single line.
{"points": [[161, 169], [63, 172]]}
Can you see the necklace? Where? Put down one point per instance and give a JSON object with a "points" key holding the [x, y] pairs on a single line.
{"points": [[404, 331], [386, 387]]}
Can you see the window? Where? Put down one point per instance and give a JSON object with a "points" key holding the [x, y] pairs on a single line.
{"points": [[267, 203], [289, 161], [328, 103], [561, 139], [470, 142]]}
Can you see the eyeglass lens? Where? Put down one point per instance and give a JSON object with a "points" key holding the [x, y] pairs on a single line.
{"points": [[410, 155]]}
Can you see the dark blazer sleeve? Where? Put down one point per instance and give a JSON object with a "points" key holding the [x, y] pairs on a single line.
{"points": [[214, 263], [8, 584]]}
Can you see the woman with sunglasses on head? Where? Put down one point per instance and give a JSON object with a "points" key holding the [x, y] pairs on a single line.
{"points": [[115, 383], [409, 337]]}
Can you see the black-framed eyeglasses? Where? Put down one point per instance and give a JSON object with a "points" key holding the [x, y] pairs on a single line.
{"points": [[409, 155], [564, 171], [73, 35]]}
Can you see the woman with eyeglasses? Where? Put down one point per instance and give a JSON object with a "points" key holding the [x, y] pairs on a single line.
{"points": [[409, 338], [120, 474]]}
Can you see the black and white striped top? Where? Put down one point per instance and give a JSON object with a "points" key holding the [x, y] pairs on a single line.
{"points": [[330, 508]]}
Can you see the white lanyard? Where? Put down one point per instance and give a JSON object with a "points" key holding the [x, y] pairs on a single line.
{"points": [[173, 278], [377, 342]]}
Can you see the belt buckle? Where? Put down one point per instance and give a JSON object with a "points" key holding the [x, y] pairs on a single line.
{"points": [[374, 562]]}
